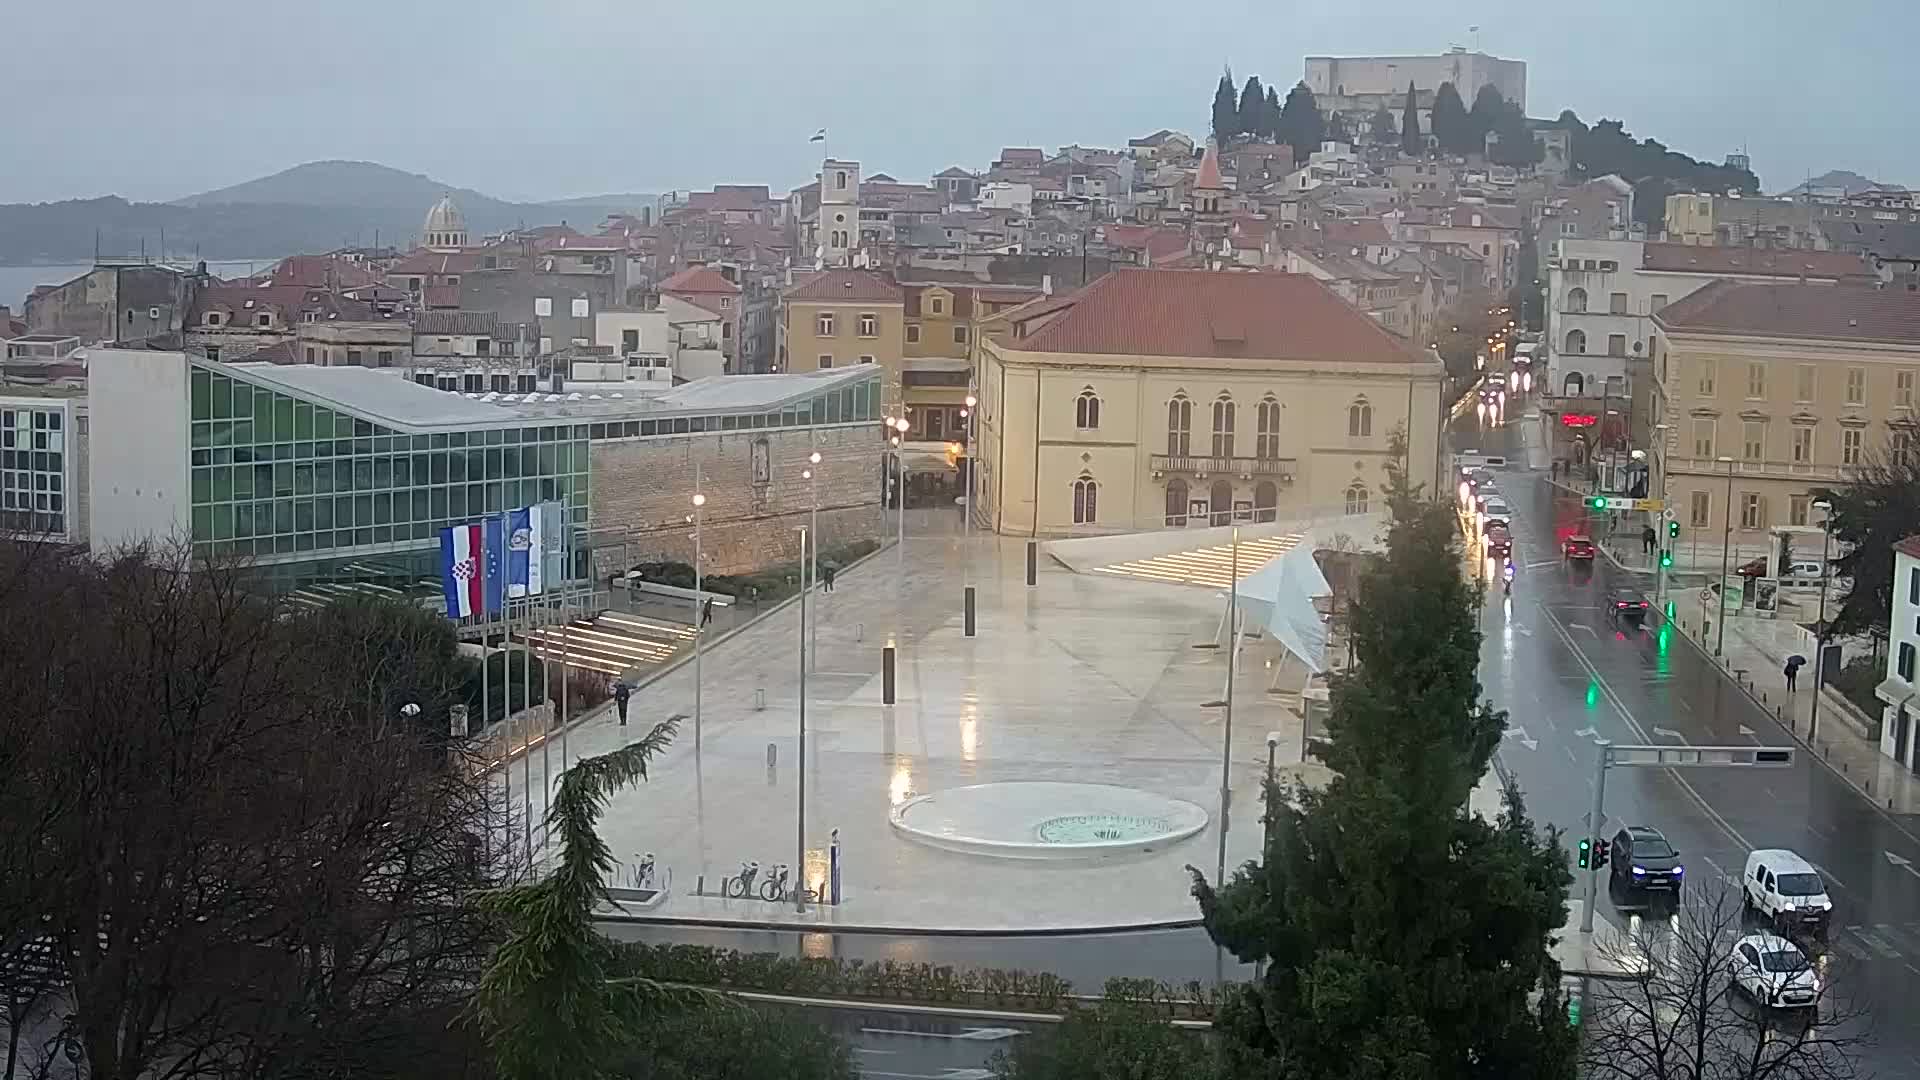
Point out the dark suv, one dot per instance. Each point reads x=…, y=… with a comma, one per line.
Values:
x=1642, y=859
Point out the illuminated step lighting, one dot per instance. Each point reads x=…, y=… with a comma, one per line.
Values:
x=1209, y=566
x=627, y=648
x=681, y=630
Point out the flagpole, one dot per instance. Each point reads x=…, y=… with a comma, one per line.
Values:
x=526, y=736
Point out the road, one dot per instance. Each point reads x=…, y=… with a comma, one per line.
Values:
x=1567, y=673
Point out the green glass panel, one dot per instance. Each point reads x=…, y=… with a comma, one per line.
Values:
x=203, y=434
x=201, y=396
x=222, y=392
x=283, y=545
x=322, y=423
x=202, y=523
x=262, y=415
x=323, y=538
x=243, y=482
x=303, y=541
x=303, y=479
x=282, y=479
x=383, y=534
x=362, y=474
x=496, y=499
x=362, y=510
x=222, y=484
x=303, y=420
x=547, y=459
x=243, y=520
x=382, y=473
x=436, y=468
x=383, y=444
x=457, y=503
x=383, y=509
x=402, y=471
x=342, y=511
x=303, y=516
x=438, y=510
x=457, y=438
x=417, y=500
x=282, y=517
x=243, y=434
x=495, y=460
x=832, y=403
x=362, y=429
x=323, y=515
x=283, y=426
x=202, y=485
x=223, y=521
x=457, y=466
x=262, y=481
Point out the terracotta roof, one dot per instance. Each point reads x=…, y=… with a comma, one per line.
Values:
x=1734, y=260
x=1215, y=314
x=433, y=262
x=1357, y=232
x=319, y=271
x=962, y=299
x=441, y=296
x=699, y=279
x=1159, y=243
x=1909, y=547
x=1209, y=177
x=1023, y=154
x=848, y=286
x=290, y=301
x=480, y=323
x=1847, y=313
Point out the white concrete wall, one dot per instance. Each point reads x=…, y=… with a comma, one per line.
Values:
x=137, y=468
x=1902, y=630
x=608, y=327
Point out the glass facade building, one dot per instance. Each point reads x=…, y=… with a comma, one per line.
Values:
x=317, y=476
x=36, y=469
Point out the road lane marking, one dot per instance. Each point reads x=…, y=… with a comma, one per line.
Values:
x=1519, y=735
x=1904, y=864
x=1669, y=733
x=1873, y=941
x=1626, y=714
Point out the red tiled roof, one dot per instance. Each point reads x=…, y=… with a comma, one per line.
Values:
x=319, y=271
x=1689, y=258
x=849, y=286
x=1205, y=313
x=1357, y=232
x=1849, y=313
x=699, y=279
x=1909, y=547
x=434, y=262
x=441, y=296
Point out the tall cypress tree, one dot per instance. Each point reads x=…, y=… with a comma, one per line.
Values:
x=1412, y=143
x=1300, y=123
x=1403, y=935
x=1253, y=106
x=1226, y=114
x=1272, y=113
x=1451, y=129
x=1488, y=106
x=1381, y=129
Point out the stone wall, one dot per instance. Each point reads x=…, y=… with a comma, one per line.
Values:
x=756, y=499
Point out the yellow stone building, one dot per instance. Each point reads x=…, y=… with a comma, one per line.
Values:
x=838, y=318
x=1768, y=391
x=1167, y=398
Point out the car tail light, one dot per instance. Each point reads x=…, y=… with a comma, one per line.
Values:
x=1620, y=603
x=1643, y=603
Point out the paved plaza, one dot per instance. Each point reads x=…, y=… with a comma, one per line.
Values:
x=1084, y=678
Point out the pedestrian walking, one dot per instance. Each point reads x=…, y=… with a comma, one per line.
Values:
x=622, y=693
x=1792, y=671
x=826, y=578
x=706, y=611
x=1647, y=536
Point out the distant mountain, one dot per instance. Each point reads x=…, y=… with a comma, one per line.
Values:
x=312, y=207
x=1852, y=182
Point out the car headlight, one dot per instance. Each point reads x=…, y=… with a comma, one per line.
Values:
x=1786, y=905
x=1678, y=870
x=1639, y=870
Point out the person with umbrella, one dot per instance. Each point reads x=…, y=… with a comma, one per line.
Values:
x=1794, y=663
x=622, y=693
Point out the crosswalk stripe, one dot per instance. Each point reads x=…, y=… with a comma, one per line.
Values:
x=1874, y=942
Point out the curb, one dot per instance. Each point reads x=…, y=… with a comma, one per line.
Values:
x=686, y=658
x=603, y=916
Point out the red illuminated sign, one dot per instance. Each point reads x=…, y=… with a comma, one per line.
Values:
x=1578, y=419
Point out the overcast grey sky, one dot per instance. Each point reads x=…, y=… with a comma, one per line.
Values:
x=572, y=97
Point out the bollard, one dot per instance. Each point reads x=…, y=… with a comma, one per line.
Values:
x=773, y=755
x=886, y=675
x=1033, y=562
x=833, y=867
x=969, y=613
x=759, y=698
x=859, y=631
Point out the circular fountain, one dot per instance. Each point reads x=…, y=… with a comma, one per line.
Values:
x=1047, y=820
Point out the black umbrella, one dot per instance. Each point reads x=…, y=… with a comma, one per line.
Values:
x=1796, y=660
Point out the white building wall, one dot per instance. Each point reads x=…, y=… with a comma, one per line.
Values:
x=1903, y=629
x=137, y=453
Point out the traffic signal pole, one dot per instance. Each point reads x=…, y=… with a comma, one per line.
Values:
x=1594, y=822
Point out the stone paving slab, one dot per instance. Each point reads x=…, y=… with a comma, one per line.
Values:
x=1081, y=679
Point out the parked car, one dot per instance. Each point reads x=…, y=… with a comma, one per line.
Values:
x=1628, y=604
x=1786, y=892
x=1496, y=514
x=1773, y=973
x=1578, y=546
x=1643, y=859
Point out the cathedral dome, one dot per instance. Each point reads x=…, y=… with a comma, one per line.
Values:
x=445, y=227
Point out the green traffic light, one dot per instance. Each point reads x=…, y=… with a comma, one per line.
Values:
x=1673, y=528
x=1598, y=503
x=1586, y=853
x=1666, y=558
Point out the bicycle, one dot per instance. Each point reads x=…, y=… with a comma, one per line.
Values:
x=643, y=872
x=740, y=887
x=774, y=888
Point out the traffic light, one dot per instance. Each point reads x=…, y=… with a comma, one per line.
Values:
x=1666, y=559
x=1673, y=529
x=1601, y=853
x=1586, y=853
x=1598, y=502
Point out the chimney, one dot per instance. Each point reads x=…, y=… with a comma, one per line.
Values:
x=1046, y=284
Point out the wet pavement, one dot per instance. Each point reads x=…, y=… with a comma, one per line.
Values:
x=1568, y=672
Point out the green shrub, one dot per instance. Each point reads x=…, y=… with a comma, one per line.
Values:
x=769, y=585
x=1856, y=679
x=1113, y=1038
x=503, y=679
x=736, y=1042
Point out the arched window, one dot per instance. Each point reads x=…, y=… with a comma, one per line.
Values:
x=1576, y=343
x=1086, y=500
x=1086, y=410
x=1356, y=498
x=1220, y=500
x=1179, y=426
x=1223, y=426
x=1266, y=441
x=1576, y=300
x=1265, y=498
x=1360, y=418
x=1176, y=501
x=1575, y=385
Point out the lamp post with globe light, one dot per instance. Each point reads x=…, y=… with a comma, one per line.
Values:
x=812, y=476
x=699, y=629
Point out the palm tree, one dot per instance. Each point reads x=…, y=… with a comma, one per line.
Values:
x=547, y=1002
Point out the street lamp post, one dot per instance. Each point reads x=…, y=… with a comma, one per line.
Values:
x=1726, y=554
x=900, y=425
x=966, y=523
x=800, y=761
x=699, y=606
x=1820, y=637
x=813, y=567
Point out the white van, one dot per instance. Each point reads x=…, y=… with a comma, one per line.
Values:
x=1786, y=892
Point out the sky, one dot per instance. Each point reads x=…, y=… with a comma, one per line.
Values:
x=532, y=101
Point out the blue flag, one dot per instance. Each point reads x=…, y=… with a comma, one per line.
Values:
x=494, y=537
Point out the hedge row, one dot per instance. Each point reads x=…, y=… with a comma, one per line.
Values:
x=773, y=584
x=888, y=980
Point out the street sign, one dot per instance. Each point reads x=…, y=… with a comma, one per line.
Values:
x=1616, y=502
x=1650, y=505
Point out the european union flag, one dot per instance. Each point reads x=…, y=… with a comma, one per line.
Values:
x=496, y=563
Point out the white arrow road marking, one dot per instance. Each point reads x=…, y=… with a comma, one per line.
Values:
x=1586, y=733
x=1538, y=565
x=1903, y=863
x=1747, y=731
x=1583, y=626
x=978, y=1034
x=1519, y=735
x=1667, y=733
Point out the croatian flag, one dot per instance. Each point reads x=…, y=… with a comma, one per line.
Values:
x=462, y=573
x=525, y=550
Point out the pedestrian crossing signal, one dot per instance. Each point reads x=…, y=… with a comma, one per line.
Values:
x=1666, y=559
x=1586, y=853
x=1673, y=529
